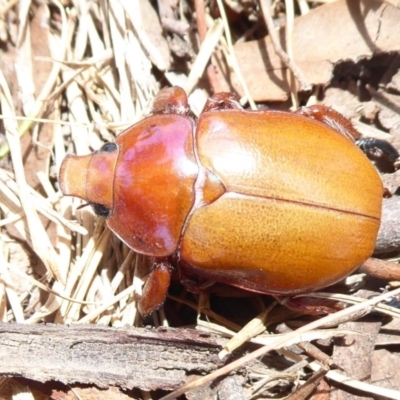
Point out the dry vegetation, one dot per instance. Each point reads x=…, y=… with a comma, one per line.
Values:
x=74, y=74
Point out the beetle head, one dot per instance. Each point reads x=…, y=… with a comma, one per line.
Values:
x=91, y=178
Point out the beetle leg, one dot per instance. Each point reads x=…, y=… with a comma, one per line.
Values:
x=171, y=100
x=310, y=305
x=193, y=283
x=155, y=288
x=332, y=118
x=381, y=151
x=223, y=101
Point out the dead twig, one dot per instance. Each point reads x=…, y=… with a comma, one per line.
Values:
x=265, y=8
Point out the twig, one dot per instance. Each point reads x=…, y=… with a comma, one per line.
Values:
x=202, y=29
x=304, y=85
x=144, y=358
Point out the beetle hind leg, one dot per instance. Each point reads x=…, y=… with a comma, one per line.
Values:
x=155, y=288
x=310, y=305
x=331, y=118
x=382, y=152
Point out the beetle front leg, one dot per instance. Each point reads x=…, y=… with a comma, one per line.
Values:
x=383, y=152
x=171, y=100
x=155, y=288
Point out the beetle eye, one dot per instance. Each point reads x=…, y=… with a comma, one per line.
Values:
x=108, y=148
x=100, y=210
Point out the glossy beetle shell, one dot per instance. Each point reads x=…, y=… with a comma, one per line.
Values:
x=294, y=216
x=268, y=201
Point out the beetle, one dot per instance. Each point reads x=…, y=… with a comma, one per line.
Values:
x=271, y=202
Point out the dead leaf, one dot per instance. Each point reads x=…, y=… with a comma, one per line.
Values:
x=335, y=32
x=385, y=369
x=354, y=353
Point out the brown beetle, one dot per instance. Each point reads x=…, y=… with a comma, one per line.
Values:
x=268, y=201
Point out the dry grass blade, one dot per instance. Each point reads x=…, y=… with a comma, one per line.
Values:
x=37, y=106
x=265, y=4
x=382, y=308
x=206, y=50
x=232, y=57
x=249, y=331
x=40, y=240
x=8, y=283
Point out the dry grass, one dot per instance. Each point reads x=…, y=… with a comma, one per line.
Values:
x=85, y=95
